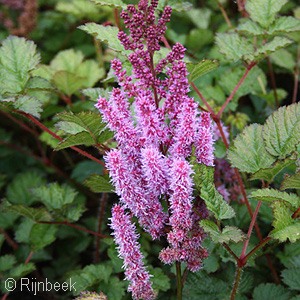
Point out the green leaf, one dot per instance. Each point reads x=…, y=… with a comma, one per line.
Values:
x=95, y=93
x=42, y=235
x=21, y=270
x=282, y=131
x=91, y=73
x=160, y=281
x=84, y=169
x=269, y=174
x=284, y=25
x=204, y=181
x=284, y=226
x=201, y=68
x=67, y=60
x=234, y=47
x=210, y=288
x=35, y=214
x=29, y=105
x=270, y=195
x=264, y=11
x=19, y=191
x=106, y=34
x=291, y=182
x=79, y=8
x=271, y=291
x=81, y=138
x=17, y=58
x=283, y=59
x=117, y=292
x=23, y=230
x=200, y=17
x=7, y=262
x=113, y=3
x=272, y=46
x=99, y=184
x=247, y=153
x=291, y=278
x=67, y=82
x=250, y=27
x=55, y=196
x=229, y=233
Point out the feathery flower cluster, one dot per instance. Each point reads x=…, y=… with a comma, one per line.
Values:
x=155, y=133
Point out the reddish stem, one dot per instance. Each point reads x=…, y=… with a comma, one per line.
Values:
x=76, y=227
x=242, y=260
x=248, y=69
x=43, y=127
x=9, y=240
x=296, y=77
x=117, y=19
x=29, y=257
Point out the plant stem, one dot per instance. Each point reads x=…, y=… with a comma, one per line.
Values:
x=273, y=81
x=257, y=247
x=246, y=243
x=296, y=77
x=76, y=227
x=237, y=280
x=179, y=281
x=203, y=99
x=230, y=251
x=248, y=69
x=224, y=13
x=9, y=240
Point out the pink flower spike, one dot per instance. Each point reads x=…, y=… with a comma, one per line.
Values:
x=126, y=238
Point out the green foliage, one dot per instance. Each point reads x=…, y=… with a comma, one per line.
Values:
x=291, y=182
x=270, y=195
x=201, y=68
x=282, y=131
x=99, y=184
x=291, y=278
x=271, y=291
x=228, y=233
x=204, y=182
x=248, y=152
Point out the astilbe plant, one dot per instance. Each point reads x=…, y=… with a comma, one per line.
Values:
x=157, y=128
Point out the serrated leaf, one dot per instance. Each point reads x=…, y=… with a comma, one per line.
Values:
x=67, y=82
x=55, y=196
x=200, y=17
x=291, y=278
x=106, y=34
x=91, y=73
x=160, y=281
x=210, y=288
x=284, y=226
x=67, y=60
x=269, y=174
x=291, y=182
x=201, y=68
x=118, y=292
x=284, y=25
x=84, y=169
x=270, y=195
x=272, y=46
x=204, y=181
x=229, y=233
x=234, y=47
x=95, y=93
x=19, y=191
x=247, y=153
x=281, y=131
x=42, y=235
x=113, y=3
x=81, y=138
x=23, y=230
x=21, y=270
x=6, y=262
x=29, y=105
x=264, y=11
x=17, y=58
x=271, y=291
x=99, y=184
x=35, y=214
x=250, y=27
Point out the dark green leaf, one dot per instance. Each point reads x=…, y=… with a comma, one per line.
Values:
x=201, y=68
x=271, y=291
x=99, y=184
x=291, y=278
x=35, y=214
x=42, y=235
x=7, y=262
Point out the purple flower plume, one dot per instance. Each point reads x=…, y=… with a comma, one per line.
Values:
x=156, y=126
x=129, y=250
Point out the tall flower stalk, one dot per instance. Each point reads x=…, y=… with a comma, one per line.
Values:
x=157, y=126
